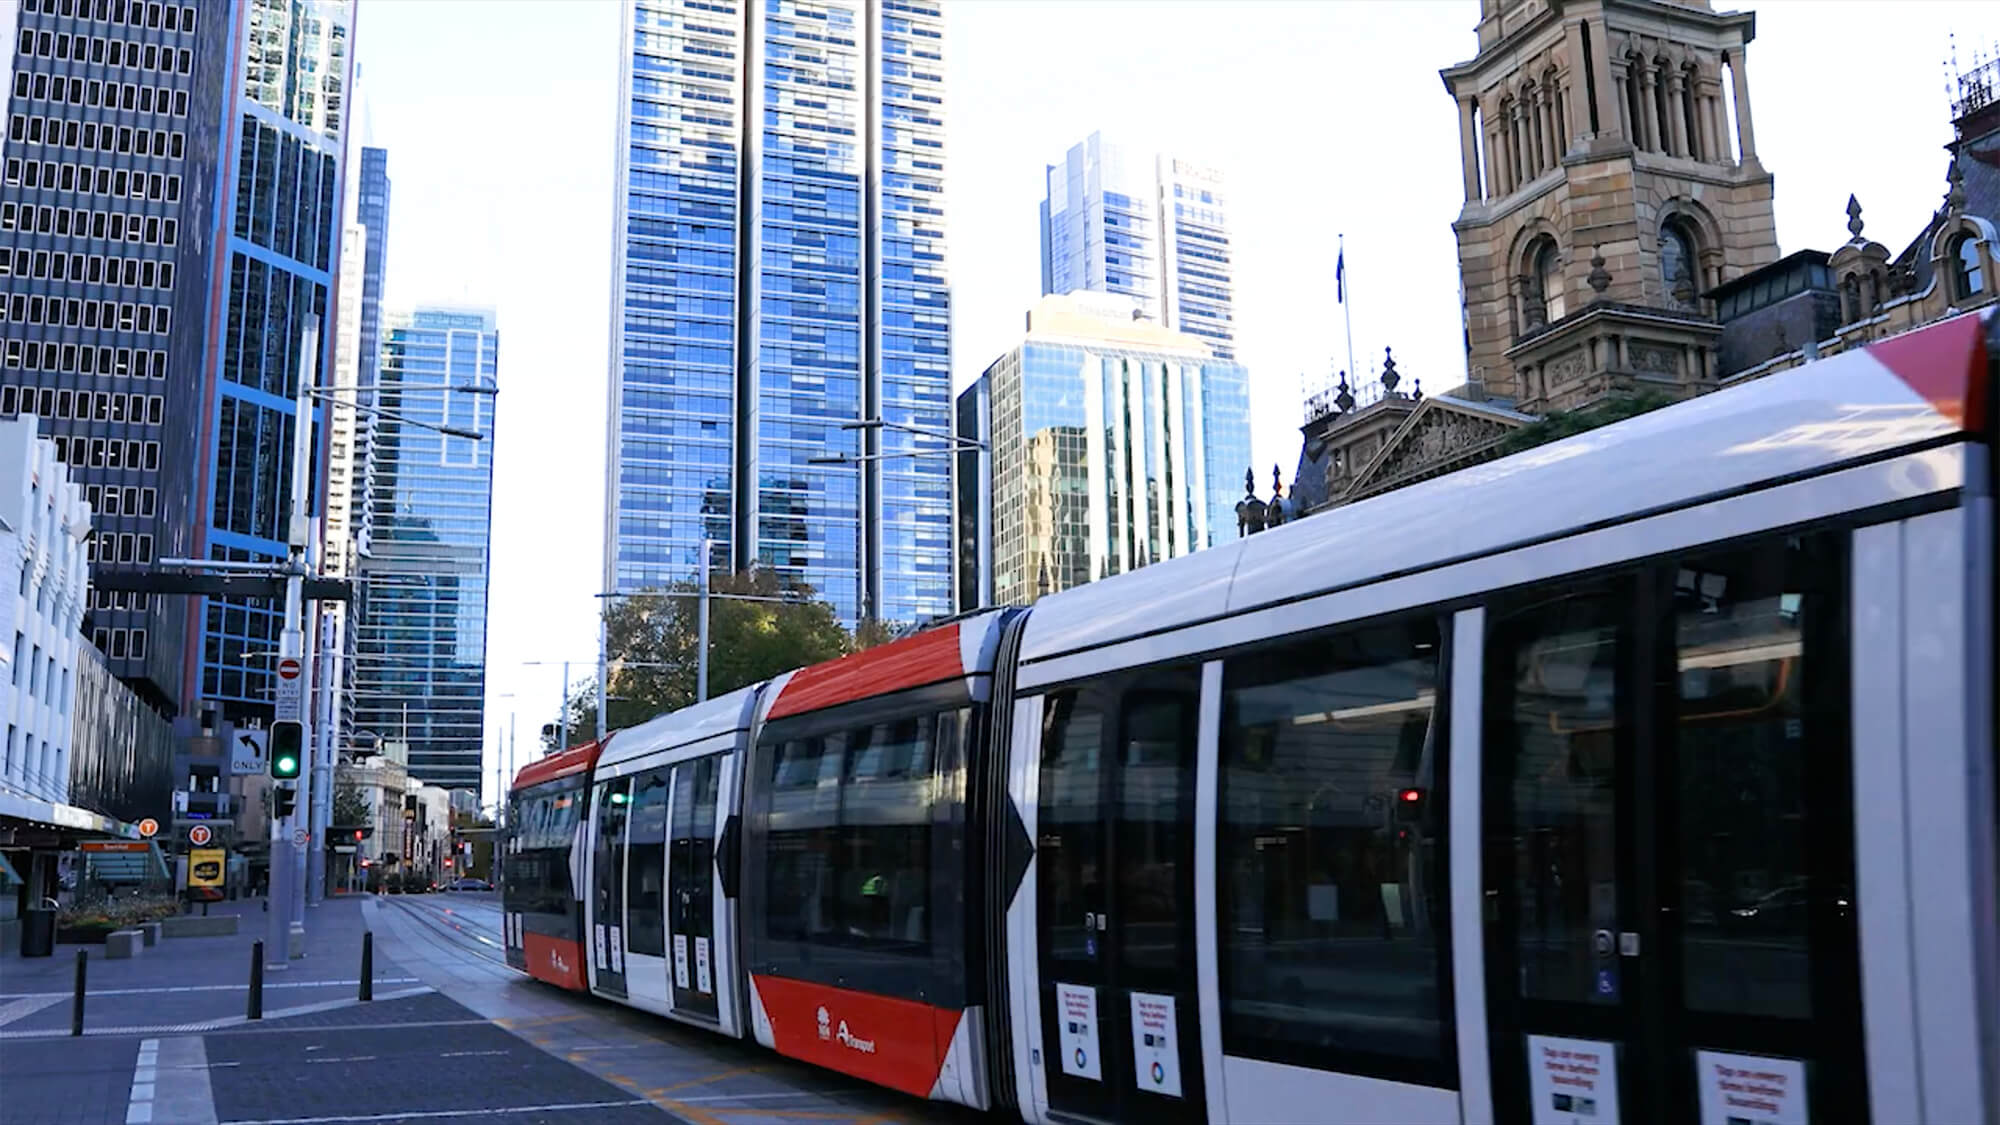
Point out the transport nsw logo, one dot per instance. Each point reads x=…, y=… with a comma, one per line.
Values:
x=843, y=1036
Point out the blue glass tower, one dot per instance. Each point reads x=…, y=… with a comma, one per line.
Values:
x=1151, y=228
x=281, y=188
x=778, y=270
x=420, y=649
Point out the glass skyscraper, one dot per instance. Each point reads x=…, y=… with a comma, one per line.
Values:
x=420, y=652
x=779, y=269
x=281, y=179
x=1150, y=227
x=1113, y=442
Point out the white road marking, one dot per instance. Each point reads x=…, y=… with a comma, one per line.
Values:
x=349, y=1058
x=23, y=996
x=440, y=1113
x=139, y=1107
x=182, y=1093
x=26, y=1006
x=468, y=1054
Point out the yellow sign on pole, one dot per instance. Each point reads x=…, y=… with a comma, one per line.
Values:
x=206, y=866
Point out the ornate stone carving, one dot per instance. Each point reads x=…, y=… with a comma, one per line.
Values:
x=1653, y=359
x=1433, y=440
x=1572, y=364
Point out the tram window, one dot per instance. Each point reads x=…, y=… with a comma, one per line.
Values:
x=1747, y=629
x=848, y=860
x=646, y=867
x=1333, y=930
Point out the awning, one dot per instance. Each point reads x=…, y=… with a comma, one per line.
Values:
x=54, y=814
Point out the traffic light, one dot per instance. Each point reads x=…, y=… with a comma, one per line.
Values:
x=1410, y=805
x=287, y=749
x=285, y=799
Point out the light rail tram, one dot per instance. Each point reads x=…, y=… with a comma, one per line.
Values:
x=1645, y=776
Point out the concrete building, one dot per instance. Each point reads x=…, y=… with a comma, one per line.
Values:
x=1113, y=442
x=778, y=269
x=1151, y=227
x=44, y=580
x=106, y=213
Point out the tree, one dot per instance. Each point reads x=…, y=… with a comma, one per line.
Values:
x=652, y=651
x=348, y=807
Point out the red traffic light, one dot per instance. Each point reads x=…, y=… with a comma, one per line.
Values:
x=357, y=834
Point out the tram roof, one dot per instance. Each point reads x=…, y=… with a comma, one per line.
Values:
x=1919, y=386
x=951, y=651
x=574, y=760
x=724, y=714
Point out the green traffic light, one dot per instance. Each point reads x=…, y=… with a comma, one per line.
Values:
x=288, y=765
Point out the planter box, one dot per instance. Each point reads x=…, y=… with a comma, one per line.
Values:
x=83, y=935
x=194, y=925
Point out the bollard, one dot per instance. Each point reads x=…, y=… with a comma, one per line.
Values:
x=76, y=1006
x=367, y=965
x=256, y=1011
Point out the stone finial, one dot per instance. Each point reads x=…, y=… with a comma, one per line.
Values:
x=1854, y=217
x=1250, y=511
x=1345, y=399
x=1249, y=482
x=1389, y=376
x=1274, y=512
x=1600, y=278
x=1417, y=392
x=1954, y=197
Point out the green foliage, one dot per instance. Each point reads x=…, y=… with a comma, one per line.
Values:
x=348, y=807
x=1565, y=423
x=94, y=909
x=651, y=642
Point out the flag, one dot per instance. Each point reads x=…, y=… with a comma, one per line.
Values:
x=1340, y=277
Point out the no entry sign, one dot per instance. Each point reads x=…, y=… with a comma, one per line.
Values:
x=288, y=668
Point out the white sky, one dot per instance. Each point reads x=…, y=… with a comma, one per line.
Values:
x=1325, y=117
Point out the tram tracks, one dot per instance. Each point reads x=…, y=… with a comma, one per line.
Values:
x=467, y=938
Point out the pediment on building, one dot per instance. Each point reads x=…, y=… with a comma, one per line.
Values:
x=1442, y=435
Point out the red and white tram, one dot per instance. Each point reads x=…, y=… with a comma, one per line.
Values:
x=1644, y=776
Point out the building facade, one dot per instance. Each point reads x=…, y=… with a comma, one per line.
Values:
x=44, y=579
x=420, y=648
x=1612, y=182
x=281, y=185
x=111, y=173
x=1112, y=442
x=1153, y=228
x=778, y=270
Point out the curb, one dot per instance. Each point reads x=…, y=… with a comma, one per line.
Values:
x=219, y=1024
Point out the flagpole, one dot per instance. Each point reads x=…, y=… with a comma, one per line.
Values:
x=1347, y=311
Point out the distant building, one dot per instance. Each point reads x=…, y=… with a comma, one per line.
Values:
x=1153, y=228
x=420, y=649
x=44, y=579
x=1114, y=442
x=779, y=269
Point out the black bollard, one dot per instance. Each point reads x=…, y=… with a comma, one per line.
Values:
x=76, y=1006
x=256, y=1011
x=367, y=965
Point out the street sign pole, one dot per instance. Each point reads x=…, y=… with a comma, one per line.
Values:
x=287, y=901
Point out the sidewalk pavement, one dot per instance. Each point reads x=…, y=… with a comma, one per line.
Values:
x=192, y=980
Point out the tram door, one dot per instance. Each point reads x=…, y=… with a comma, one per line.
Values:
x=1669, y=887
x=1115, y=919
x=690, y=886
x=607, y=887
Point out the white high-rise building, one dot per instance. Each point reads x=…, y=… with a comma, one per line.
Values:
x=1147, y=226
x=778, y=269
x=44, y=577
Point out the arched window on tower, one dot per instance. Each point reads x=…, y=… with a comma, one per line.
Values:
x=1968, y=276
x=1677, y=263
x=1549, y=280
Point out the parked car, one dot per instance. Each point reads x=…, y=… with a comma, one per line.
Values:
x=471, y=884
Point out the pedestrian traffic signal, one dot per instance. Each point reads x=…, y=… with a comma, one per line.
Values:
x=287, y=748
x=284, y=800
